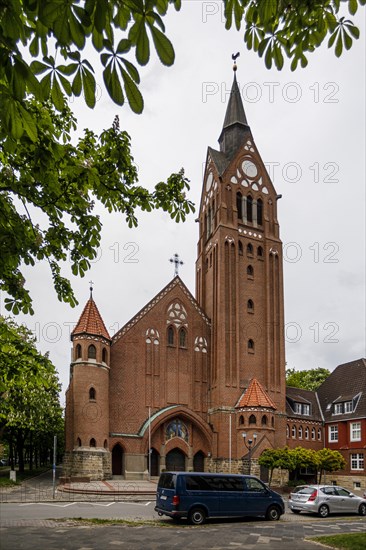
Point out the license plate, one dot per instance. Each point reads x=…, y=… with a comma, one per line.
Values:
x=163, y=497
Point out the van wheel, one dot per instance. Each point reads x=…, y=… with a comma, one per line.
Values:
x=323, y=511
x=362, y=509
x=196, y=516
x=273, y=513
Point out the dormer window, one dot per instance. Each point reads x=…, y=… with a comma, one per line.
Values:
x=338, y=408
x=348, y=408
x=301, y=408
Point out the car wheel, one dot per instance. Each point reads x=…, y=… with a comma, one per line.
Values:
x=323, y=511
x=273, y=513
x=197, y=516
x=362, y=509
x=296, y=511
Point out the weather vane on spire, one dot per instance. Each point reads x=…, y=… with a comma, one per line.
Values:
x=91, y=289
x=177, y=262
x=234, y=58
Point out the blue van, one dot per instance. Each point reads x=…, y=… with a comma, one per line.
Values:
x=197, y=496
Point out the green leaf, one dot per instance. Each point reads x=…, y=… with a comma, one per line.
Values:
x=163, y=46
x=76, y=84
x=29, y=124
x=133, y=93
x=38, y=67
x=57, y=95
x=339, y=45
x=65, y=84
x=352, y=6
x=46, y=86
x=77, y=32
x=89, y=88
x=124, y=46
x=113, y=85
x=132, y=70
x=142, y=43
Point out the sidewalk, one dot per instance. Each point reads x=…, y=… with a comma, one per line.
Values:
x=40, y=489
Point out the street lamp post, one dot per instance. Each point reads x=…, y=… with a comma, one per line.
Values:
x=249, y=445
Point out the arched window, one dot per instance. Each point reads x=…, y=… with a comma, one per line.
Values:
x=104, y=356
x=92, y=442
x=260, y=252
x=252, y=419
x=300, y=432
x=92, y=393
x=293, y=432
x=78, y=352
x=78, y=442
x=92, y=352
x=241, y=420
x=250, y=306
x=250, y=272
x=319, y=434
x=240, y=248
x=313, y=435
x=260, y=212
x=105, y=444
x=182, y=338
x=249, y=208
x=264, y=420
x=287, y=431
x=251, y=346
x=239, y=207
x=250, y=249
x=170, y=336
x=306, y=433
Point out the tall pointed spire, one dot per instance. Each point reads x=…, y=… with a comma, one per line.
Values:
x=235, y=124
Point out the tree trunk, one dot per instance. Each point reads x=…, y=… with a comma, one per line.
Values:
x=20, y=449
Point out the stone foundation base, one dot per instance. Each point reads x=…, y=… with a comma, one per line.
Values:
x=93, y=463
x=241, y=466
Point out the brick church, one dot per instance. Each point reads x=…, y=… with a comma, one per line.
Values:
x=181, y=383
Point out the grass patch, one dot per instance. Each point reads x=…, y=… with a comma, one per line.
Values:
x=350, y=541
x=126, y=522
x=20, y=477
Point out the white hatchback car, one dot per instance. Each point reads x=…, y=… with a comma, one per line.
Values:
x=325, y=499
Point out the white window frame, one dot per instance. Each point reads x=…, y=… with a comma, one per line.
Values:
x=333, y=433
x=307, y=433
x=313, y=434
x=357, y=461
x=300, y=432
x=306, y=410
x=298, y=408
x=355, y=431
x=338, y=408
x=319, y=434
x=348, y=406
x=293, y=432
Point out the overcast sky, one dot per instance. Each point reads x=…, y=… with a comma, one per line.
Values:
x=309, y=127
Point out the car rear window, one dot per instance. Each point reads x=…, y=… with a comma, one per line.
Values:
x=167, y=481
x=304, y=490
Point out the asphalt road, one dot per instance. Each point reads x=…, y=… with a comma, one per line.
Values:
x=215, y=535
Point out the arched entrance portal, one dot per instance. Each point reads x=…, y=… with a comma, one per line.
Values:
x=117, y=460
x=176, y=461
x=155, y=462
x=198, y=462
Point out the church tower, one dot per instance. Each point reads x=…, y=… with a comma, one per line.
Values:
x=87, y=398
x=239, y=284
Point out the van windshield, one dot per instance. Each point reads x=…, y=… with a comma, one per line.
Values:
x=167, y=481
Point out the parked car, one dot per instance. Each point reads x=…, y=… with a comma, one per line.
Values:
x=325, y=499
x=197, y=496
x=4, y=462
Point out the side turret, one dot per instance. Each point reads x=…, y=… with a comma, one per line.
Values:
x=87, y=398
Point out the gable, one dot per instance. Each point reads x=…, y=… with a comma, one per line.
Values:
x=174, y=293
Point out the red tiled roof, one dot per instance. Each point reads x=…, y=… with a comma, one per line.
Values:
x=91, y=322
x=255, y=396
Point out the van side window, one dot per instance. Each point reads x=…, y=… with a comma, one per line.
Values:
x=254, y=485
x=232, y=484
x=167, y=481
x=202, y=483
